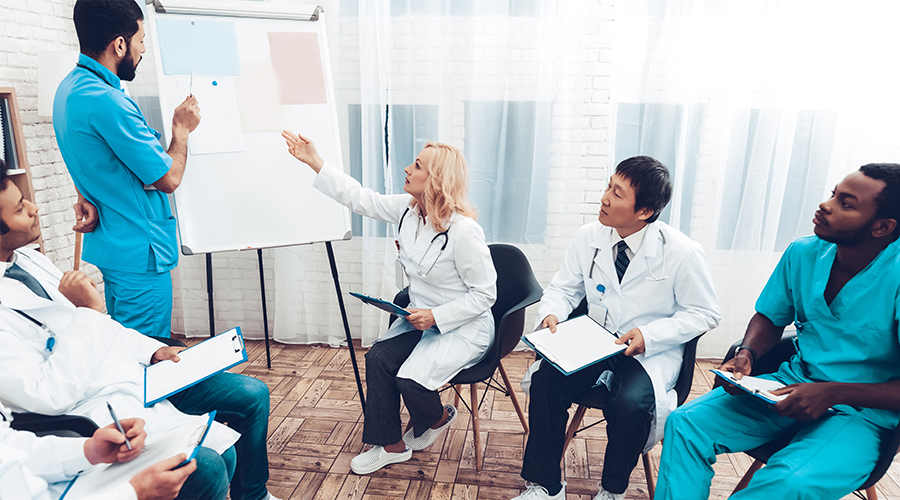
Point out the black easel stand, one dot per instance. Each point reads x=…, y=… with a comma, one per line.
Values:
x=340, y=297
x=209, y=295
x=262, y=289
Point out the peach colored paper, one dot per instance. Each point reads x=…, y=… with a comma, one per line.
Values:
x=298, y=67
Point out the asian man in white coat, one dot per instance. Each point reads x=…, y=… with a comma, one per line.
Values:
x=645, y=280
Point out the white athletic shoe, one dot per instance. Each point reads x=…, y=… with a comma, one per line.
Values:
x=430, y=435
x=534, y=491
x=376, y=458
x=605, y=495
x=272, y=497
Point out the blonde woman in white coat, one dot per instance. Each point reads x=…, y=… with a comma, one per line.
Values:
x=452, y=286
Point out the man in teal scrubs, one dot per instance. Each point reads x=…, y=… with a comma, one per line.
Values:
x=119, y=166
x=841, y=288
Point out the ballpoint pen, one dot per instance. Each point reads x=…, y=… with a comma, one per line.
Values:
x=191, y=86
x=118, y=425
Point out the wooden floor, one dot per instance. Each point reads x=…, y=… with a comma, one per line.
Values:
x=316, y=423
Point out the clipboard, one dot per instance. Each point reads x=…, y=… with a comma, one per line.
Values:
x=187, y=439
x=579, y=342
x=381, y=304
x=754, y=386
x=198, y=363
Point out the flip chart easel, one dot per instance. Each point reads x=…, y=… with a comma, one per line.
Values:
x=255, y=68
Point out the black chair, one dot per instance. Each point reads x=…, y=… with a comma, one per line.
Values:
x=598, y=398
x=517, y=289
x=66, y=425
x=769, y=363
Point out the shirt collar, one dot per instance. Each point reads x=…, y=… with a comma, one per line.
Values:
x=9, y=263
x=101, y=70
x=633, y=240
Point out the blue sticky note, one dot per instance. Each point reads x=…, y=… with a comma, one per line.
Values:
x=204, y=47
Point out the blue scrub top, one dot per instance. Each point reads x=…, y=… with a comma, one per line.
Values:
x=111, y=153
x=855, y=339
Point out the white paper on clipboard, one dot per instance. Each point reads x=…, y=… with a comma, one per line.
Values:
x=198, y=363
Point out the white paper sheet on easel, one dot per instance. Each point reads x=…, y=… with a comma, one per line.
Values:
x=198, y=363
x=220, y=119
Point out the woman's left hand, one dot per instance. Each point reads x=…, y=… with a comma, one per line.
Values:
x=422, y=319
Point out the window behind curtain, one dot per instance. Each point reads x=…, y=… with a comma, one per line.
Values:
x=666, y=132
x=810, y=151
x=508, y=153
x=413, y=126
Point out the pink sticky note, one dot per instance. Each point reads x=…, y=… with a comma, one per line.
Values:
x=298, y=67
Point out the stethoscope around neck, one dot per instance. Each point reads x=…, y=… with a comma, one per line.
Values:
x=652, y=277
x=433, y=240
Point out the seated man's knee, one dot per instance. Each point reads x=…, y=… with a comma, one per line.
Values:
x=213, y=475
x=257, y=392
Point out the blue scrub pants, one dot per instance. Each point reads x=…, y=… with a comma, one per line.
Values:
x=141, y=301
x=829, y=457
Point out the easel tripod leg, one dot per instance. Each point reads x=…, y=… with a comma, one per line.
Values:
x=337, y=289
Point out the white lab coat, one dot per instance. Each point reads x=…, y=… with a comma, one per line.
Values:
x=669, y=312
x=49, y=459
x=459, y=290
x=94, y=360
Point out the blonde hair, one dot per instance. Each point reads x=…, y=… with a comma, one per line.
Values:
x=447, y=187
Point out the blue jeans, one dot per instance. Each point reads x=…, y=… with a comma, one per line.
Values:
x=243, y=403
x=210, y=480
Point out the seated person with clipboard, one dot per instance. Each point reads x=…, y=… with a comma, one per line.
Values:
x=640, y=277
x=452, y=286
x=60, y=354
x=841, y=394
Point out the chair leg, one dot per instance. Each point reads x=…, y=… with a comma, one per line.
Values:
x=475, y=428
x=755, y=466
x=456, y=399
x=512, y=395
x=648, y=471
x=871, y=494
x=573, y=426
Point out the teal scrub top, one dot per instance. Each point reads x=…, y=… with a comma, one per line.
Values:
x=855, y=339
x=111, y=153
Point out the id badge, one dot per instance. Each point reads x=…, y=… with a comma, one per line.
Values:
x=599, y=313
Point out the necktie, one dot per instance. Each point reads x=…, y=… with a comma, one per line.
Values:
x=622, y=259
x=17, y=273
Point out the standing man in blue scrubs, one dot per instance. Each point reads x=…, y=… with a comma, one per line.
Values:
x=841, y=288
x=119, y=166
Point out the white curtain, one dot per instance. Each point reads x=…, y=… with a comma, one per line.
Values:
x=503, y=80
x=758, y=108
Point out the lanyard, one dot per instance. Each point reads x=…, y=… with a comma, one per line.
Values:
x=51, y=340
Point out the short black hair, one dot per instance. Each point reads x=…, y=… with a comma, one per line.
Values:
x=888, y=200
x=3, y=180
x=651, y=183
x=99, y=22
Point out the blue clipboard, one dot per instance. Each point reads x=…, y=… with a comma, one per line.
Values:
x=193, y=455
x=238, y=341
x=381, y=304
x=545, y=358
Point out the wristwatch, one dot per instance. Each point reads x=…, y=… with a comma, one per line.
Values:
x=752, y=352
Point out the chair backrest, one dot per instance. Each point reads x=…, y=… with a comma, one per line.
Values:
x=517, y=288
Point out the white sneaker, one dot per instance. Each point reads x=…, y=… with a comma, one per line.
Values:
x=605, y=495
x=376, y=458
x=534, y=491
x=430, y=435
x=272, y=497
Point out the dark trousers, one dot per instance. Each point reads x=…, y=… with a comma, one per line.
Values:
x=381, y=425
x=629, y=413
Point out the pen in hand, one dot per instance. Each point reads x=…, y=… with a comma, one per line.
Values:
x=118, y=425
